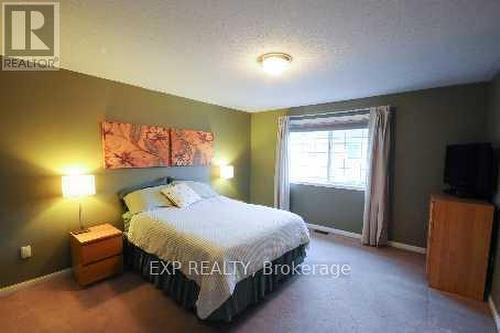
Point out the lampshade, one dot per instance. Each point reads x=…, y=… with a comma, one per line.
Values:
x=78, y=186
x=226, y=171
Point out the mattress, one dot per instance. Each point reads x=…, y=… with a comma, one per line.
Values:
x=232, y=239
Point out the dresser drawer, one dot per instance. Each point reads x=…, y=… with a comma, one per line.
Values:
x=98, y=270
x=95, y=251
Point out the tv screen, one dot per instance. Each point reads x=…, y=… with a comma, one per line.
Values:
x=470, y=170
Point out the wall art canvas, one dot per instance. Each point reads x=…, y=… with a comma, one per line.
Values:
x=135, y=146
x=191, y=147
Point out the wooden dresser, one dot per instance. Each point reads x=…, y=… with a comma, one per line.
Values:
x=458, y=245
x=96, y=254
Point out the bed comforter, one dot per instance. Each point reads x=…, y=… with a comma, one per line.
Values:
x=232, y=239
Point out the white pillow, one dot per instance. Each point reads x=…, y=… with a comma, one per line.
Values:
x=146, y=199
x=204, y=190
x=181, y=195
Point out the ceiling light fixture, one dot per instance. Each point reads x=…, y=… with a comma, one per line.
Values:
x=275, y=63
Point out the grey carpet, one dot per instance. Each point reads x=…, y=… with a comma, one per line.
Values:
x=386, y=291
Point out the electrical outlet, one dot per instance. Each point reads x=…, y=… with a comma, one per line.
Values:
x=26, y=251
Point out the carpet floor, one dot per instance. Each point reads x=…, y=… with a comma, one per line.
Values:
x=385, y=291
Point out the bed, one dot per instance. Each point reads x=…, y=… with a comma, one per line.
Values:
x=216, y=256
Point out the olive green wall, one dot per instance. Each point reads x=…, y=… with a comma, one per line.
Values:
x=264, y=126
x=494, y=132
x=320, y=205
x=50, y=124
x=425, y=122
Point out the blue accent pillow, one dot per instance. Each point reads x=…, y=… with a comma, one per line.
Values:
x=152, y=183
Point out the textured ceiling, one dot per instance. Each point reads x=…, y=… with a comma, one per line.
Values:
x=207, y=50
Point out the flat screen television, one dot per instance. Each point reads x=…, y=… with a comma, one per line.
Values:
x=470, y=170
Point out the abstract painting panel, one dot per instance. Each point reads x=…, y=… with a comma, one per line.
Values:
x=191, y=147
x=135, y=146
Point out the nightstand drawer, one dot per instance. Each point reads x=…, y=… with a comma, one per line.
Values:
x=98, y=270
x=95, y=251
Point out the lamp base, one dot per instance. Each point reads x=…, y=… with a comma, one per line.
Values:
x=81, y=231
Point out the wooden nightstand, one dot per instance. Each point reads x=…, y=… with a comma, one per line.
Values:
x=97, y=254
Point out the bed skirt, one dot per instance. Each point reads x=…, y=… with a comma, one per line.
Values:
x=185, y=292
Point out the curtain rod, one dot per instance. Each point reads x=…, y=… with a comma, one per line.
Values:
x=331, y=113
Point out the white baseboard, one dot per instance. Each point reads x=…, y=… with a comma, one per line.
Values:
x=355, y=235
x=407, y=247
x=334, y=231
x=494, y=312
x=15, y=287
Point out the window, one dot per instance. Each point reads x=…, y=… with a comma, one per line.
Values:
x=333, y=157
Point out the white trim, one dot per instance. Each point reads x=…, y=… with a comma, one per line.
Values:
x=355, y=235
x=15, y=287
x=330, y=113
x=329, y=185
x=334, y=231
x=407, y=247
x=494, y=312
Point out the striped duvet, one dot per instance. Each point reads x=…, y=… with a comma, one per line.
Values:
x=218, y=232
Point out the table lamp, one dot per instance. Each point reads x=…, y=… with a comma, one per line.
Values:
x=226, y=171
x=78, y=186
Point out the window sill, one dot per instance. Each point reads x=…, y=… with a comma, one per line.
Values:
x=335, y=186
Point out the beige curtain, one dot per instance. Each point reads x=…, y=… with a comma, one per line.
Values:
x=282, y=167
x=377, y=192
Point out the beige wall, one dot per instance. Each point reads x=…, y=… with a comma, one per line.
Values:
x=50, y=124
x=426, y=121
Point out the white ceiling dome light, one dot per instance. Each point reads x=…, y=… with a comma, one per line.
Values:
x=275, y=63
